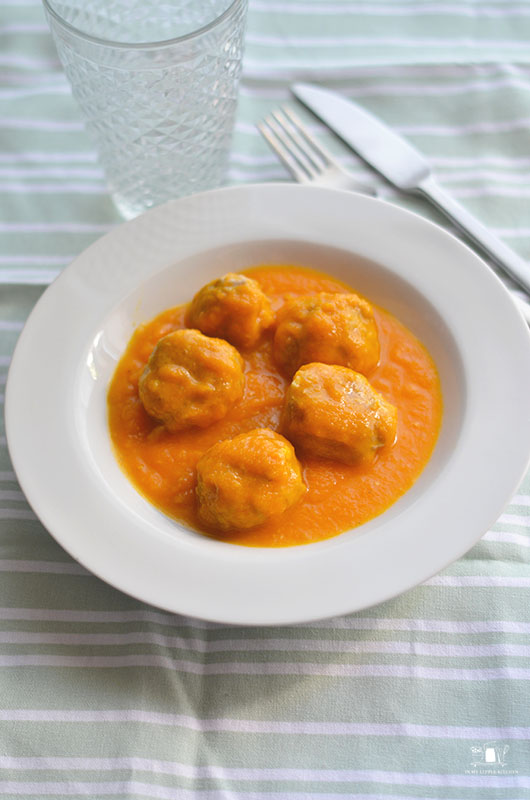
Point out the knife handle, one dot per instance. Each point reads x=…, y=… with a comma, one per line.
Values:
x=500, y=253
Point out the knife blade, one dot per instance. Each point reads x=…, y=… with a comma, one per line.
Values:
x=401, y=164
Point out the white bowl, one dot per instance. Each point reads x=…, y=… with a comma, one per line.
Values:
x=57, y=384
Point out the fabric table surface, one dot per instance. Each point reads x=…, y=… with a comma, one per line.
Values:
x=424, y=696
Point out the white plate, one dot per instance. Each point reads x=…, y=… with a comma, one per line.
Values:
x=66, y=355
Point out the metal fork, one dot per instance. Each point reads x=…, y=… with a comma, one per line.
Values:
x=306, y=159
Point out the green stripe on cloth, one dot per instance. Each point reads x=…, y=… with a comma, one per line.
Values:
x=101, y=696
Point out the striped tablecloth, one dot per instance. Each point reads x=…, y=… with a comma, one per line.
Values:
x=426, y=696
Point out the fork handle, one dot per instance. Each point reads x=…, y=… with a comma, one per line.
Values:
x=503, y=256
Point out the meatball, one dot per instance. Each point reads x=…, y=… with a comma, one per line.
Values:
x=191, y=380
x=233, y=308
x=244, y=481
x=334, y=412
x=329, y=328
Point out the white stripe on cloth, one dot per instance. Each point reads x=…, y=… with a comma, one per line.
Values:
x=280, y=92
x=13, y=187
x=459, y=627
x=507, y=538
x=51, y=567
x=476, y=581
x=8, y=3
x=203, y=646
x=270, y=668
x=389, y=10
x=37, y=277
x=354, y=71
x=514, y=519
x=52, y=172
x=25, y=62
x=298, y=70
x=24, y=27
x=194, y=771
x=130, y=788
x=44, y=157
x=17, y=513
x=11, y=326
x=31, y=91
x=24, y=123
x=481, y=175
x=486, y=126
x=31, y=259
x=426, y=89
x=246, y=726
x=490, y=191
x=266, y=162
x=517, y=162
x=11, y=495
x=292, y=41
x=512, y=233
x=521, y=500
x=54, y=227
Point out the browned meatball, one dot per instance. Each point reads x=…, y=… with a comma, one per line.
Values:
x=334, y=412
x=328, y=328
x=191, y=380
x=244, y=481
x=233, y=308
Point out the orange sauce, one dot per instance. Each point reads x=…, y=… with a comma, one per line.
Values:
x=161, y=465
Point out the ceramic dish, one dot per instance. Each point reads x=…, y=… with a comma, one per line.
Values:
x=66, y=355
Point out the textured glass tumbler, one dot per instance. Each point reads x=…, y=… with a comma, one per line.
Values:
x=157, y=82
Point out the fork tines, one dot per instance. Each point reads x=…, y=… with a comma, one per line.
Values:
x=290, y=139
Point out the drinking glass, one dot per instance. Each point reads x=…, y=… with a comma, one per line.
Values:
x=157, y=82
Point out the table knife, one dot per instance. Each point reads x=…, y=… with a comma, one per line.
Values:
x=401, y=164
